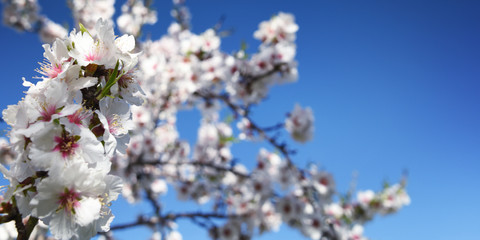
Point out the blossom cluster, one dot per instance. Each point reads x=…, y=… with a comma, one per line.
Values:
x=134, y=15
x=277, y=193
x=87, y=12
x=66, y=129
x=23, y=15
x=300, y=124
x=184, y=70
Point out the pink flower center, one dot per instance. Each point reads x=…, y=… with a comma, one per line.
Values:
x=260, y=165
x=78, y=117
x=115, y=126
x=324, y=181
x=296, y=122
x=54, y=70
x=66, y=144
x=69, y=200
x=92, y=56
x=47, y=112
x=258, y=187
x=262, y=65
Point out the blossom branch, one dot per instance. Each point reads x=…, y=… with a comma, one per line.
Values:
x=181, y=69
x=193, y=163
x=276, y=127
x=249, y=79
x=141, y=220
x=282, y=147
x=23, y=230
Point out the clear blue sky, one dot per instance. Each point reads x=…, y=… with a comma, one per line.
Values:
x=394, y=85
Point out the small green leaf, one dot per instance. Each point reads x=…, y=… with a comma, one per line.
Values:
x=112, y=79
x=244, y=46
x=83, y=29
x=228, y=119
x=385, y=184
x=224, y=140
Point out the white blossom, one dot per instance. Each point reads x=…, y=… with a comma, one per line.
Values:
x=300, y=124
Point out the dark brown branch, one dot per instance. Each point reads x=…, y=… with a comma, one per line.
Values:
x=23, y=231
x=199, y=215
x=249, y=80
x=156, y=206
x=276, y=127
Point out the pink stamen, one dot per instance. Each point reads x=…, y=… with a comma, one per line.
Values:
x=112, y=125
x=47, y=112
x=92, y=56
x=54, y=70
x=78, y=117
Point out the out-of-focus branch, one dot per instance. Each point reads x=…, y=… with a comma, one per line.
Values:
x=141, y=220
x=153, y=201
x=199, y=164
x=275, y=127
x=174, y=216
x=144, y=221
x=249, y=80
x=200, y=218
x=23, y=230
x=25, y=16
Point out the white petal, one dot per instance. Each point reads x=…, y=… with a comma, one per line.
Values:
x=114, y=187
x=83, y=82
x=88, y=211
x=62, y=226
x=125, y=43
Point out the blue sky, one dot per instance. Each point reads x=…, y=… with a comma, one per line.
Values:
x=394, y=86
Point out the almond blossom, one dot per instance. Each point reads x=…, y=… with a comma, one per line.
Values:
x=300, y=124
x=60, y=175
